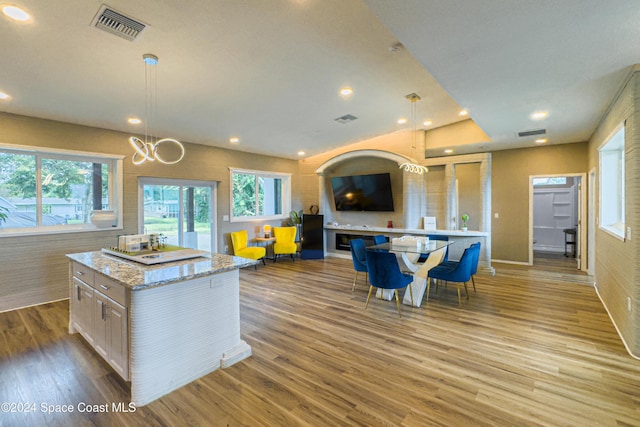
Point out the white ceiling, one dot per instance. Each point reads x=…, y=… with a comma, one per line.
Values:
x=269, y=71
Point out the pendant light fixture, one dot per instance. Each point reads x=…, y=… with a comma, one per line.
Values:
x=413, y=167
x=149, y=149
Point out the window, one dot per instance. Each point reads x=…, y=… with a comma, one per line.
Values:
x=554, y=180
x=43, y=191
x=612, y=187
x=259, y=195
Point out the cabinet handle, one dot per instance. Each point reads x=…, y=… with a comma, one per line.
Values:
x=79, y=292
x=104, y=314
x=80, y=273
x=106, y=288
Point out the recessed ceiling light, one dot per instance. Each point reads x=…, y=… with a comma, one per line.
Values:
x=301, y=153
x=448, y=151
x=402, y=120
x=346, y=91
x=541, y=140
x=427, y=123
x=234, y=140
x=15, y=13
x=539, y=115
x=4, y=95
x=463, y=113
x=134, y=120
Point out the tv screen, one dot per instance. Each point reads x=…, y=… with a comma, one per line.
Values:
x=363, y=192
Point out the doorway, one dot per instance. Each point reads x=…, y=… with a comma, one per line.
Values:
x=556, y=210
x=182, y=211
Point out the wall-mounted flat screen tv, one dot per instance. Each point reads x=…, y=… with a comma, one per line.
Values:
x=363, y=192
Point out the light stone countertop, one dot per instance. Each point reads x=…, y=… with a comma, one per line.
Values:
x=137, y=276
x=348, y=227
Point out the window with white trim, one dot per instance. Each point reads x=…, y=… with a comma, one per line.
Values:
x=612, y=185
x=47, y=191
x=259, y=195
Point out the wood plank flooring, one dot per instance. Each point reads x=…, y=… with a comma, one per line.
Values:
x=532, y=347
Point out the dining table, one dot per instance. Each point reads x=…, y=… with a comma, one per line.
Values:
x=409, y=253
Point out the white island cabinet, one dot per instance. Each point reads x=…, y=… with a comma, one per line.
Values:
x=162, y=326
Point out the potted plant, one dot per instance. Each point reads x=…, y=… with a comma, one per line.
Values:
x=295, y=218
x=465, y=219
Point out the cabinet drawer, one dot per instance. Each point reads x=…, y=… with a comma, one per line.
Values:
x=110, y=288
x=83, y=273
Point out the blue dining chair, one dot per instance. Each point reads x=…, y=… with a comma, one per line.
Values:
x=460, y=272
x=384, y=273
x=474, y=263
x=359, y=258
x=379, y=239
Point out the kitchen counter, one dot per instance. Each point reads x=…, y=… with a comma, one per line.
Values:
x=136, y=276
x=411, y=231
x=159, y=326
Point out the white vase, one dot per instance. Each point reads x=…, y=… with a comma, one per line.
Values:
x=103, y=219
x=463, y=228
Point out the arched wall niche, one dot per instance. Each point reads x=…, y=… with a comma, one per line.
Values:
x=409, y=190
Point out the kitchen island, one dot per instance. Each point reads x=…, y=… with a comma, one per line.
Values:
x=159, y=326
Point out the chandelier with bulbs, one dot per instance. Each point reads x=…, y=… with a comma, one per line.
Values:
x=407, y=166
x=149, y=149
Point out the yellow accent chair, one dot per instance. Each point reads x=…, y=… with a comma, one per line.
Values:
x=285, y=243
x=239, y=240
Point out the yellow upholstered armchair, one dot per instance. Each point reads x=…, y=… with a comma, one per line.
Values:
x=285, y=242
x=239, y=241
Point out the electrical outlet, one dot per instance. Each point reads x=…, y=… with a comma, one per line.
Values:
x=628, y=233
x=496, y=215
x=226, y=249
x=628, y=303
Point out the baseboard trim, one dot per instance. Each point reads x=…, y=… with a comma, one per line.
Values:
x=346, y=255
x=595, y=286
x=33, y=305
x=503, y=261
x=236, y=354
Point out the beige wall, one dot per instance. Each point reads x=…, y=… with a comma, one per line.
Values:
x=437, y=195
x=34, y=269
x=398, y=142
x=509, y=190
x=469, y=193
x=367, y=165
x=511, y=170
x=617, y=270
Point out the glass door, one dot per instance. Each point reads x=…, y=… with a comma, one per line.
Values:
x=181, y=211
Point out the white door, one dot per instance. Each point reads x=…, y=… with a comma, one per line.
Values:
x=554, y=209
x=183, y=212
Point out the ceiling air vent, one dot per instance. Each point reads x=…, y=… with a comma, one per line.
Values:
x=532, y=132
x=116, y=23
x=346, y=119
